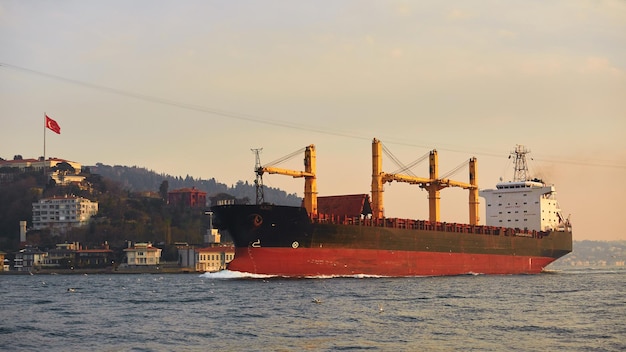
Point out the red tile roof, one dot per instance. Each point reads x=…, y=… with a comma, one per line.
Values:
x=94, y=251
x=187, y=190
x=141, y=249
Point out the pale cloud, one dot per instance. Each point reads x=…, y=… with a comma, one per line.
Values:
x=456, y=14
x=600, y=65
x=397, y=52
x=541, y=65
x=506, y=34
x=403, y=9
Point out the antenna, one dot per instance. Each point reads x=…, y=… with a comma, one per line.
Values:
x=521, y=168
x=258, y=182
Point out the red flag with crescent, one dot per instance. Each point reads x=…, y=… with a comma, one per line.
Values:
x=53, y=125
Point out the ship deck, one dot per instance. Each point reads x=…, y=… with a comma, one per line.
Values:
x=410, y=224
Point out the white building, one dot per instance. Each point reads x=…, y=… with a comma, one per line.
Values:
x=39, y=164
x=211, y=259
x=63, y=212
x=54, y=167
x=205, y=259
x=143, y=254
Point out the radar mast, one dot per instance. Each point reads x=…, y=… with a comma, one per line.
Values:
x=521, y=167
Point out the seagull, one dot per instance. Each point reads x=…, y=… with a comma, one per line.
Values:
x=316, y=300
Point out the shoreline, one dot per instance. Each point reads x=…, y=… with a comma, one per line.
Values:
x=109, y=270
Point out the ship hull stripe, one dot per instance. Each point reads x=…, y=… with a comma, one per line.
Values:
x=307, y=262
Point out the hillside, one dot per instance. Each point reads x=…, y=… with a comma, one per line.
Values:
x=137, y=179
x=132, y=206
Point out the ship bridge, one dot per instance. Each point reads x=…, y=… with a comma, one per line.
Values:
x=523, y=203
x=519, y=184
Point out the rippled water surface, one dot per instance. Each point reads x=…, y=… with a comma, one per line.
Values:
x=572, y=310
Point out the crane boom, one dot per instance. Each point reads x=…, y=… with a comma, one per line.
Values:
x=276, y=170
x=310, y=181
x=450, y=183
x=405, y=178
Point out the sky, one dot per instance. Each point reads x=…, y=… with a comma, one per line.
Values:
x=191, y=87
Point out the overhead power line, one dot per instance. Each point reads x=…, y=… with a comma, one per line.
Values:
x=256, y=119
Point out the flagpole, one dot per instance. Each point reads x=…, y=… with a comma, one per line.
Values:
x=44, y=144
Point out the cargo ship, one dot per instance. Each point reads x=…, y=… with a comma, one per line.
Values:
x=348, y=235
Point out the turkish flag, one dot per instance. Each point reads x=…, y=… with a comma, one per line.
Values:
x=53, y=125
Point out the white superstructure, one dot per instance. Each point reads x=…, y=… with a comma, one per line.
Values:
x=524, y=204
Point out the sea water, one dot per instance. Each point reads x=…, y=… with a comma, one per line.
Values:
x=569, y=310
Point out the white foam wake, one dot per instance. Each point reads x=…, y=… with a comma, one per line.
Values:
x=227, y=274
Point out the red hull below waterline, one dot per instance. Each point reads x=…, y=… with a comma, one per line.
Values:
x=308, y=262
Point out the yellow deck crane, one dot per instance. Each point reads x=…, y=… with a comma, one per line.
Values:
x=472, y=186
x=433, y=184
x=310, y=182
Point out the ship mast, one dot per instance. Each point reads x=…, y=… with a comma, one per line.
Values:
x=521, y=168
x=258, y=182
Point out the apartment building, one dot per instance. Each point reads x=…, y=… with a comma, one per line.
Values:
x=63, y=212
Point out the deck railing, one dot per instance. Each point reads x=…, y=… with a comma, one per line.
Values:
x=398, y=223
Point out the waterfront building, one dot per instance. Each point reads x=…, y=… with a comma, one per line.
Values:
x=142, y=254
x=63, y=256
x=211, y=259
x=95, y=257
x=28, y=259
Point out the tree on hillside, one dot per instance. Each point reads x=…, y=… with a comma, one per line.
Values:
x=163, y=189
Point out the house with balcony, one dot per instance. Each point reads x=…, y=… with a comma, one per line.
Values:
x=63, y=256
x=95, y=257
x=142, y=254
